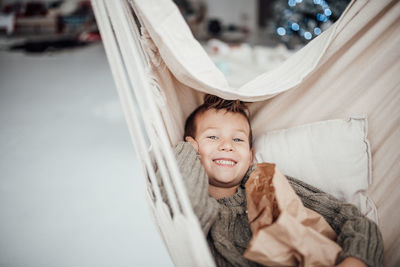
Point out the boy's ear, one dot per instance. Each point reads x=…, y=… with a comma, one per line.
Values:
x=252, y=156
x=192, y=142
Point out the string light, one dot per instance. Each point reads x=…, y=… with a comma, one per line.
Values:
x=327, y=12
x=295, y=27
x=281, y=31
x=306, y=28
x=308, y=35
x=317, y=31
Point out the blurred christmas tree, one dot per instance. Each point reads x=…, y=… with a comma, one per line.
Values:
x=296, y=22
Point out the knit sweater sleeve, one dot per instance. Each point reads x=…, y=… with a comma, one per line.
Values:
x=358, y=236
x=196, y=183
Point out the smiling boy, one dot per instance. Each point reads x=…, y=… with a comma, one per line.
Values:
x=216, y=162
x=222, y=139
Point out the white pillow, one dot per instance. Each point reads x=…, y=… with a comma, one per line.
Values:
x=332, y=155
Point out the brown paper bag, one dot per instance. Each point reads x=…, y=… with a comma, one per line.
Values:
x=285, y=233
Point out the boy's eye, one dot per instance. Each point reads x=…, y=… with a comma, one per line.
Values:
x=212, y=137
x=237, y=140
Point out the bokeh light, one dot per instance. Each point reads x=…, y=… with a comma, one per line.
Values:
x=281, y=31
x=302, y=20
x=327, y=12
x=292, y=3
x=308, y=35
x=317, y=31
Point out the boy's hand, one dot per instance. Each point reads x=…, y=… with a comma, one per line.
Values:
x=351, y=262
x=192, y=142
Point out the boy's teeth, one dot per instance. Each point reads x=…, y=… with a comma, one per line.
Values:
x=225, y=162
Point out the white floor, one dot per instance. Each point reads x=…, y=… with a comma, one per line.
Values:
x=71, y=193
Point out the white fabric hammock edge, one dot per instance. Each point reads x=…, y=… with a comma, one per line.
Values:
x=173, y=230
x=190, y=64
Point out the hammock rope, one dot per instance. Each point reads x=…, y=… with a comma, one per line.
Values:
x=182, y=232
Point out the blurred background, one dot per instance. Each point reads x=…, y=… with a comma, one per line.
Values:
x=70, y=182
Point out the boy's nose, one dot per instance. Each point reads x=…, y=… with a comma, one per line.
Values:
x=226, y=145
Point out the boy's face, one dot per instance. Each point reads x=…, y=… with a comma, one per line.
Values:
x=223, y=143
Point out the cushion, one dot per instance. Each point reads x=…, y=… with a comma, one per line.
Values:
x=332, y=155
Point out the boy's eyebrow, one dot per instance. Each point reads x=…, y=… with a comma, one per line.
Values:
x=214, y=128
x=242, y=131
x=210, y=128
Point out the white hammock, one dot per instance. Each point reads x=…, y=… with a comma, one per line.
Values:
x=161, y=73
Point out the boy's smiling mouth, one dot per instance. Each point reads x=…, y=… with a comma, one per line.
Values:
x=225, y=162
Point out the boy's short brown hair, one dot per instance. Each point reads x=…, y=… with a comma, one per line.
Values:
x=215, y=102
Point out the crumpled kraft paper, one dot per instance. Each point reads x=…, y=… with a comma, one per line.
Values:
x=285, y=233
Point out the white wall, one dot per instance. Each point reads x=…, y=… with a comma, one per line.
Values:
x=232, y=11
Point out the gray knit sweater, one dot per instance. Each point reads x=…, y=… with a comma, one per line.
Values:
x=225, y=223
